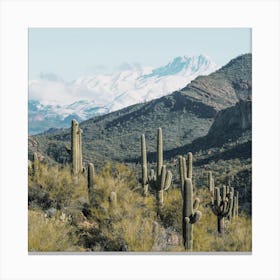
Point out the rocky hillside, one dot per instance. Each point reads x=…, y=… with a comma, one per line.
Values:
x=229, y=136
x=184, y=116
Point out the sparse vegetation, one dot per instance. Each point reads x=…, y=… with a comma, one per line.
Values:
x=64, y=220
x=95, y=196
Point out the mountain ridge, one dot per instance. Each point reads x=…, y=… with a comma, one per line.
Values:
x=131, y=85
x=184, y=116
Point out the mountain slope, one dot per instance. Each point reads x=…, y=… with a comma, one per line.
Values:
x=95, y=95
x=184, y=116
x=224, y=87
x=229, y=136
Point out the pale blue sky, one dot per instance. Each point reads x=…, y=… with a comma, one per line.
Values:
x=74, y=52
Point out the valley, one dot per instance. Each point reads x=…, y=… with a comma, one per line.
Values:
x=198, y=141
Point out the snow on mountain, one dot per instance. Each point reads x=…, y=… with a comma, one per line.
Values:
x=51, y=98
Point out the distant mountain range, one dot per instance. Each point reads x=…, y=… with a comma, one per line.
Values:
x=54, y=102
x=211, y=112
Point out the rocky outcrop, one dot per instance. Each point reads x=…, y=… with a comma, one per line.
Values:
x=233, y=120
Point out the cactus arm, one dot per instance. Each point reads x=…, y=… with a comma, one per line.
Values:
x=190, y=169
x=195, y=217
x=234, y=207
x=181, y=172
x=231, y=195
x=196, y=203
x=215, y=210
x=162, y=177
x=228, y=190
x=224, y=193
x=168, y=180
x=217, y=198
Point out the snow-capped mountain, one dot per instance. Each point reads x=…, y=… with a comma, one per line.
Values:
x=53, y=101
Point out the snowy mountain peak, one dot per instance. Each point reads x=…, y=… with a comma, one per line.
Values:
x=185, y=65
x=54, y=100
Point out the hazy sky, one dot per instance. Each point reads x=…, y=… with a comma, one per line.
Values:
x=74, y=52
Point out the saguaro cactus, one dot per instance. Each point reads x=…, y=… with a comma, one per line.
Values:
x=221, y=206
x=76, y=147
x=190, y=214
x=185, y=169
x=235, y=205
x=113, y=199
x=144, y=165
x=159, y=153
x=189, y=170
x=90, y=182
x=230, y=190
x=161, y=180
x=163, y=177
x=211, y=184
x=182, y=172
x=35, y=164
x=80, y=132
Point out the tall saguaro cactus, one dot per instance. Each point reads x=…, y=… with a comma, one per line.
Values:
x=159, y=180
x=91, y=182
x=144, y=165
x=80, y=150
x=182, y=172
x=235, y=205
x=35, y=164
x=222, y=204
x=163, y=177
x=211, y=184
x=76, y=148
x=159, y=153
x=190, y=214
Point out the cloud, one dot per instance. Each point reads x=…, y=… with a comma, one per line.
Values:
x=50, y=92
x=50, y=77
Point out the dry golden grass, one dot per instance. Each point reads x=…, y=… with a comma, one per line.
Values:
x=132, y=217
x=49, y=234
x=129, y=225
x=237, y=237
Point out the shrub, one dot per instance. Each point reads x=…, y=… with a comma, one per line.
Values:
x=134, y=223
x=50, y=234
